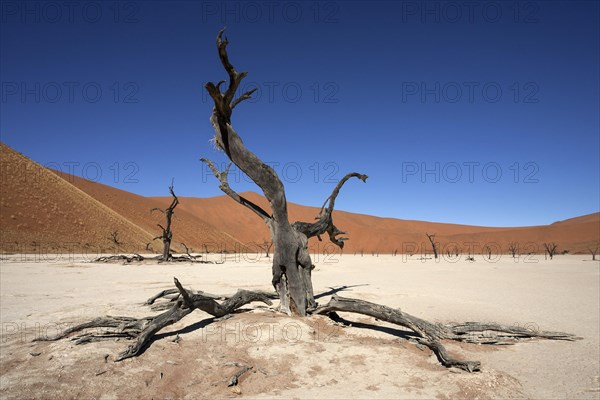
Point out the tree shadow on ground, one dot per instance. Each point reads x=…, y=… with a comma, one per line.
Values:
x=335, y=290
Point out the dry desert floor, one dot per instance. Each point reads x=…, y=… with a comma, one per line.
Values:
x=302, y=358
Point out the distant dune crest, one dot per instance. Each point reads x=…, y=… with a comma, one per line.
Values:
x=41, y=208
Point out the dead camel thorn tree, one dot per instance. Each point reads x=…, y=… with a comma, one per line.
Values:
x=513, y=248
x=551, y=249
x=266, y=246
x=433, y=244
x=594, y=251
x=167, y=234
x=292, y=265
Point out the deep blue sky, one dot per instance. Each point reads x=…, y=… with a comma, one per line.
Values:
x=498, y=101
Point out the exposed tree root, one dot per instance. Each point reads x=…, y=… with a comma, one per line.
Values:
x=143, y=329
x=121, y=257
x=181, y=302
x=172, y=295
x=139, y=258
x=431, y=335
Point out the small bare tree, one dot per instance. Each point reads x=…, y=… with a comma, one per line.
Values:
x=188, y=252
x=267, y=247
x=167, y=234
x=114, y=238
x=594, y=251
x=513, y=248
x=551, y=249
x=433, y=244
x=488, y=250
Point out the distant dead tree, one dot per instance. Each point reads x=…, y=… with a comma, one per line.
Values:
x=594, y=251
x=188, y=252
x=167, y=234
x=433, y=244
x=488, y=250
x=149, y=246
x=513, y=248
x=114, y=237
x=395, y=252
x=551, y=249
x=267, y=247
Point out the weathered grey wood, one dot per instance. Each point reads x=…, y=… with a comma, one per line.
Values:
x=291, y=261
x=167, y=235
x=143, y=329
x=235, y=378
x=431, y=335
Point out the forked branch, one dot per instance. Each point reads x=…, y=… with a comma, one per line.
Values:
x=324, y=223
x=225, y=188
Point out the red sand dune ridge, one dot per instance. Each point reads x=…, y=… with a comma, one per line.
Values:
x=371, y=234
x=43, y=210
x=40, y=207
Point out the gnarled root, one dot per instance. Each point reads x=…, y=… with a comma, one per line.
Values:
x=144, y=329
x=431, y=335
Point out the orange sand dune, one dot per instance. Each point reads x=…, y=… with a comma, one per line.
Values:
x=42, y=210
x=39, y=211
x=386, y=235
x=43, y=207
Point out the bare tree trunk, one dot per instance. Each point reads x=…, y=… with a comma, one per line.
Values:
x=292, y=264
x=167, y=234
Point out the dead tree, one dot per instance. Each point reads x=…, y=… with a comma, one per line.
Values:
x=433, y=244
x=114, y=237
x=488, y=250
x=167, y=234
x=267, y=247
x=594, y=251
x=513, y=248
x=188, y=252
x=551, y=249
x=292, y=265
